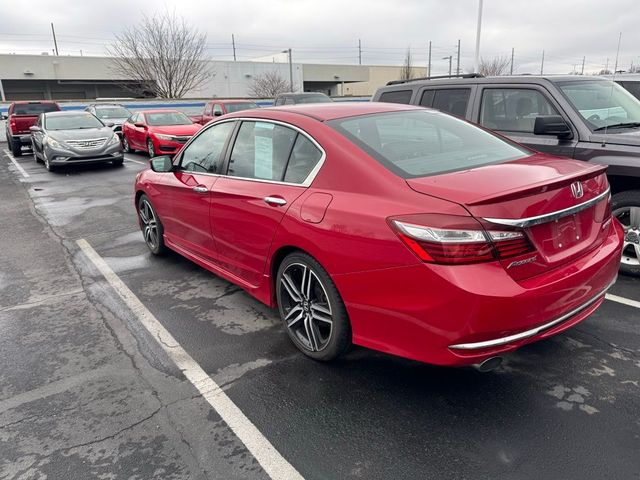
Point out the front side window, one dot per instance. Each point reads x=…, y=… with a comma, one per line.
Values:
x=204, y=153
x=207, y=110
x=167, y=118
x=418, y=143
x=603, y=104
x=396, y=96
x=513, y=109
x=72, y=122
x=261, y=151
x=217, y=109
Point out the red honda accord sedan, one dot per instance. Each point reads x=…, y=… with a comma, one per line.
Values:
x=397, y=228
x=158, y=132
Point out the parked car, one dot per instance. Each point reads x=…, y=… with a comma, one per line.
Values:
x=20, y=117
x=295, y=98
x=111, y=113
x=586, y=118
x=157, y=132
x=397, y=228
x=65, y=138
x=630, y=82
x=217, y=108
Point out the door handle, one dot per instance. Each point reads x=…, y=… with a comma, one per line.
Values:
x=200, y=189
x=275, y=201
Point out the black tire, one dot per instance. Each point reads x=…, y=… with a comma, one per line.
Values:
x=150, y=149
x=35, y=153
x=328, y=340
x=48, y=166
x=155, y=242
x=622, y=205
x=118, y=163
x=125, y=145
x=16, y=148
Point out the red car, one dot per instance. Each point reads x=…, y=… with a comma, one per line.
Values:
x=158, y=132
x=402, y=229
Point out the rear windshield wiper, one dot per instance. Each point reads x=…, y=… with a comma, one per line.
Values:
x=619, y=125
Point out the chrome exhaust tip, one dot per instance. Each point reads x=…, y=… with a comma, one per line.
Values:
x=489, y=364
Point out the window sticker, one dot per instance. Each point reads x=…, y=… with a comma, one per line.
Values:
x=265, y=125
x=263, y=166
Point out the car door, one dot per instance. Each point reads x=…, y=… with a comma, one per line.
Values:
x=185, y=193
x=266, y=173
x=36, y=137
x=512, y=110
x=130, y=130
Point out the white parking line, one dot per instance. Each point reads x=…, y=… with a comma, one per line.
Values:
x=18, y=166
x=625, y=301
x=135, y=161
x=276, y=466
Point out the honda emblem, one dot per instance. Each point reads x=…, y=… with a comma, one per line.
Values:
x=576, y=190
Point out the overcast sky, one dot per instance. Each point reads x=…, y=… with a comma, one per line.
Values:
x=328, y=31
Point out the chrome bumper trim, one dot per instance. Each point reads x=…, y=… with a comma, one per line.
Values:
x=548, y=217
x=534, y=331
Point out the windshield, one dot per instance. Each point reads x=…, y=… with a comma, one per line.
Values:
x=34, y=109
x=314, y=99
x=236, y=107
x=419, y=143
x=167, y=118
x=112, y=112
x=72, y=122
x=602, y=103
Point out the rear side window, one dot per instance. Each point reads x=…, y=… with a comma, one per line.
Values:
x=513, y=109
x=419, y=143
x=34, y=108
x=304, y=156
x=396, y=96
x=452, y=101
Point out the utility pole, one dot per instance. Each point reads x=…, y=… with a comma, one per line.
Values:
x=233, y=44
x=512, y=54
x=55, y=42
x=606, y=66
x=476, y=66
x=542, y=63
x=429, y=65
x=458, y=60
x=290, y=71
x=582, y=71
x=450, y=58
x=359, y=52
x=615, y=69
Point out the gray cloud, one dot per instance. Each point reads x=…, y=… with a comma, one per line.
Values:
x=328, y=31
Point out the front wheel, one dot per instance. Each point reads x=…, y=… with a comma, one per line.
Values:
x=150, y=149
x=126, y=146
x=151, y=225
x=16, y=148
x=626, y=208
x=311, y=308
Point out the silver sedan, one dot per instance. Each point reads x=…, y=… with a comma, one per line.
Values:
x=65, y=138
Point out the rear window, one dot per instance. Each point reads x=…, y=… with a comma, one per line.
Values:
x=237, y=107
x=167, y=118
x=420, y=143
x=34, y=109
x=396, y=96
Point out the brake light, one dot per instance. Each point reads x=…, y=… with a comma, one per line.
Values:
x=454, y=240
x=12, y=124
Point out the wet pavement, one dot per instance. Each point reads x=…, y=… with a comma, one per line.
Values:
x=87, y=392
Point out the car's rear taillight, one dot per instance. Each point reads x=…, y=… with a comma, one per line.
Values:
x=12, y=125
x=455, y=240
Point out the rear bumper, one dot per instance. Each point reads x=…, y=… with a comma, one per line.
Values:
x=427, y=312
x=24, y=139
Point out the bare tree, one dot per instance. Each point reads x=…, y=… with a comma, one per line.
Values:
x=268, y=85
x=495, y=66
x=162, y=54
x=604, y=71
x=406, y=73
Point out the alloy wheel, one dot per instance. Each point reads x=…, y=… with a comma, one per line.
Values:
x=150, y=148
x=149, y=224
x=630, y=219
x=125, y=145
x=306, y=309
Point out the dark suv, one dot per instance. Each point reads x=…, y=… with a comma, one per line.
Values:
x=587, y=118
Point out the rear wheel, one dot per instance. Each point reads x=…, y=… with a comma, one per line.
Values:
x=16, y=148
x=626, y=208
x=150, y=149
x=311, y=309
x=151, y=225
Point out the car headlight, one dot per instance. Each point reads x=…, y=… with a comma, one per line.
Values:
x=163, y=137
x=55, y=144
x=114, y=139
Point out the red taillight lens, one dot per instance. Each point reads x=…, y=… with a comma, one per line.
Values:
x=12, y=125
x=455, y=240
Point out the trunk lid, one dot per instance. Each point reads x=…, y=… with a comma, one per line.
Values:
x=560, y=225
x=20, y=124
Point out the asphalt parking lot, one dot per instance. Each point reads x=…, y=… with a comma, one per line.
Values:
x=86, y=391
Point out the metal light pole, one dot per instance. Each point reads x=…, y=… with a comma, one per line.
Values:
x=450, y=58
x=55, y=42
x=288, y=51
x=476, y=66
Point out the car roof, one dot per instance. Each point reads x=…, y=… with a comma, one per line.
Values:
x=232, y=100
x=329, y=111
x=66, y=113
x=110, y=105
x=301, y=94
x=34, y=102
x=159, y=110
x=496, y=79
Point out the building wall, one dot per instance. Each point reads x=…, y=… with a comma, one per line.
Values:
x=378, y=77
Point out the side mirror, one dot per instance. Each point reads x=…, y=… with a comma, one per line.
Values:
x=35, y=129
x=217, y=113
x=161, y=164
x=140, y=125
x=552, y=125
